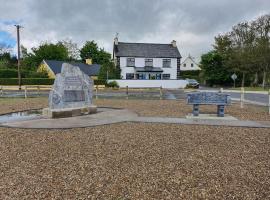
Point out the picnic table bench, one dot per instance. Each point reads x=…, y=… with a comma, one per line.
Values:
x=208, y=98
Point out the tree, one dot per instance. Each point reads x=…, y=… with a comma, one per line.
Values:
x=73, y=51
x=213, y=69
x=108, y=71
x=91, y=50
x=45, y=51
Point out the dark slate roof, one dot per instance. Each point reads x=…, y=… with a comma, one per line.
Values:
x=146, y=50
x=90, y=70
x=148, y=69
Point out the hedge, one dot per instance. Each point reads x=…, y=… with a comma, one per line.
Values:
x=13, y=73
x=37, y=81
x=190, y=74
x=26, y=81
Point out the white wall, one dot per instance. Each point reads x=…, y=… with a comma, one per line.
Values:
x=172, y=84
x=188, y=67
x=157, y=62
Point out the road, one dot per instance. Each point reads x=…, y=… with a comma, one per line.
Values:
x=170, y=94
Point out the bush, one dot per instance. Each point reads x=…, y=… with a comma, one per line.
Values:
x=113, y=84
x=99, y=82
x=26, y=81
x=190, y=74
x=8, y=73
x=13, y=73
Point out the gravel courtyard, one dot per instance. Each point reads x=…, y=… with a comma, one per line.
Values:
x=136, y=160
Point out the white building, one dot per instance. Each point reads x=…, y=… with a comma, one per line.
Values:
x=147, y=61
x=189, y=65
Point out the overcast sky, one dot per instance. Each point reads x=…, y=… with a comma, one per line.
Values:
x=192, y=23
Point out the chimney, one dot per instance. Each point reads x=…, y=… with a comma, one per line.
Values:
x=173, y=43
x=116, y=40
x=88, y=61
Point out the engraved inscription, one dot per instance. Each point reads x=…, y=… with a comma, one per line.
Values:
x=74, y=95
x=73, y=80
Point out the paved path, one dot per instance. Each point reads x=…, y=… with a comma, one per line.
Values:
x=110, y=116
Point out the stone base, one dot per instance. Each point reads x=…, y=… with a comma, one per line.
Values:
x=69, y=112
x=210, y=116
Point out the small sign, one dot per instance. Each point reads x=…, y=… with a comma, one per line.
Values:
x=234, y=76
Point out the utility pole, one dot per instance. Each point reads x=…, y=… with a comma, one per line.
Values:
x=19, y=55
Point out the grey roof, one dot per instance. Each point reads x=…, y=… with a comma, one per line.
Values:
x=146, y=50
x=90, y=70
x=148, y=69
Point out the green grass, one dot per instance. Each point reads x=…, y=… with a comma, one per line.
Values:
x=251, y=89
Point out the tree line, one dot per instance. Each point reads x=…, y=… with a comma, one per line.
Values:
x=63, y=50
x=244, y=50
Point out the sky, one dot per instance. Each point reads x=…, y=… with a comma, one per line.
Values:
x=192, y=23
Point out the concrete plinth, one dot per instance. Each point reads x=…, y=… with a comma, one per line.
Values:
x=69, y=112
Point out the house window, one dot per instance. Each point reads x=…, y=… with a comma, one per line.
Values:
x=148, y=62
x=185, y=64
x=166, y=76
x=129, y=76
x=191, y=64
x=158, y=76
x=166, y=62
x=130, y=62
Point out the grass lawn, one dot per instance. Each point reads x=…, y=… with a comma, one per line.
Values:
x=136, y=160
x=251, y=89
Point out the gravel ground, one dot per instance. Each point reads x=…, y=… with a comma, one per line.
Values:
x=134, y=160
x=163, y=108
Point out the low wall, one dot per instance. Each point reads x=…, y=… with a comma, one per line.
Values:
x=173, y=84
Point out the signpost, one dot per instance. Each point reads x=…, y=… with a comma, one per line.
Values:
x=234, y=77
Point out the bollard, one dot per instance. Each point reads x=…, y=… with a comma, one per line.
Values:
x=96, y=91
x=160, y=93
x=221, y=90
x=1, y=90
x=242, y=97
x=126, y=92
x=38, y=89
x=269, y=101
x=25, y=92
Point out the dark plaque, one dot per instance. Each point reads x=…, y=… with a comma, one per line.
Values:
x=74, y=95
x=73, y=80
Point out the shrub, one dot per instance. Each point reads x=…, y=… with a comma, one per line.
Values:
x=99, y=82
x=113, y=84
x=26, y=81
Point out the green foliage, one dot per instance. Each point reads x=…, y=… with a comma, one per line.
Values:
x=13, y=73
x=113, y=84
x=91, y=50
x=26, y=81
x=99, y=82
x=190, y=74
x=45, y=51
x=110, y=70
x=213, y=69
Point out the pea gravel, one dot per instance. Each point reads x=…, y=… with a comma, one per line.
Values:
x=134, y=160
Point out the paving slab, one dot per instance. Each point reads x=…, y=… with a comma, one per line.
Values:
x=106, y=116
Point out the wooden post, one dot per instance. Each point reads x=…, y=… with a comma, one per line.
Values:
x=126, y=92
x=160, y=93
x=38, y=89
x=269, y=101
x=242, y=97
x=25, y=92
x=96, y=91
x=1, y=90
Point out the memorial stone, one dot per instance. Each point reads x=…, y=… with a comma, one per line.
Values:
x=71, y=94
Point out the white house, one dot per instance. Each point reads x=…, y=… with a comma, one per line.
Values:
x=147, y=61
x=189, y=65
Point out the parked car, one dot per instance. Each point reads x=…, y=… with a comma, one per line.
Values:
x=192, y=83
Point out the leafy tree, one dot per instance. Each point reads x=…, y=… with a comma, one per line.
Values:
x=91, y=50
x=108, y=71
x=213, y=69
x=45, y=51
